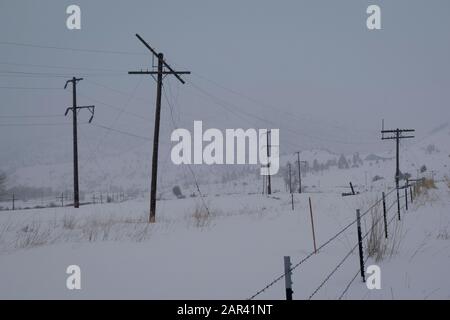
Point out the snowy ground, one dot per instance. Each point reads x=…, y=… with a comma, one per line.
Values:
x=230, y=255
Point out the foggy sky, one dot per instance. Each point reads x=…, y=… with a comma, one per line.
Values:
x=313, y=67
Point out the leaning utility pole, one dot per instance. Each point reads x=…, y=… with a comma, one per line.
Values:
x=75, y=108
x=163, y=70
x=397, y=136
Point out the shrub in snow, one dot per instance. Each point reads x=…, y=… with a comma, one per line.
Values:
x=177, y=192
x=376, y=178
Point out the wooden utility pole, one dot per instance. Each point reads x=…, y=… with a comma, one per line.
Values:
x=269, y=183
x=299, y=172
x=290, y=178
x=75, y=108
x=163, y=69
x=61, y=197
x=397, y=136
x=290, y=186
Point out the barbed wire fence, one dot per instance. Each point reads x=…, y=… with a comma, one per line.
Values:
x=346, y=256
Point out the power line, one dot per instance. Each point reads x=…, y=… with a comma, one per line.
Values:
x=262, y=104
x=130, y=97
x=54, y=75
x=29, y=45
x=30, y=88
x=116, y=107
x=33, y=124
x=227, y=105
x=121, y=131
x=189, y=167
x=32, y=116
x=58, y=67
x=123, y=93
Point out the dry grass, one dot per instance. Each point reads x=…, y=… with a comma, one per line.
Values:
x=69, y=222
x=424, y=186
x=377, y=246
x=202, y=218
x=35, y=232
x=447, y=181
x=33, y=235
x=444, y=233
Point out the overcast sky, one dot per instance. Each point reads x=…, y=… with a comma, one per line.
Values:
x=310, y=67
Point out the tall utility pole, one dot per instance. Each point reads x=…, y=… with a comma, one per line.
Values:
x=13, y=201
x=75, y=108
x=163, y=70
x=290, y=178
x=269, y=184
x=299, y=172
x=398, y=134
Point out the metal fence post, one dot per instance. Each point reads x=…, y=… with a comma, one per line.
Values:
x=361, y=253
x=287, y=277
x=384, y=216
x=406, y=198
x=411, y=194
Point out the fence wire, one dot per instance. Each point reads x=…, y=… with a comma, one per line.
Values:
x=270, y=284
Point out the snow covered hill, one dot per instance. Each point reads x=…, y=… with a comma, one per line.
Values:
x=130, y=169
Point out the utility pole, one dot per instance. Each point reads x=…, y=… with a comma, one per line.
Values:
x=290, y=178
x=264, y=184
x=269, y=184
x=13, y=201
x=299, y=172
x=365, y=179
x=398, y=134
x=290, y=186
x=75, y=108
x=163, y=70
x=61, y=197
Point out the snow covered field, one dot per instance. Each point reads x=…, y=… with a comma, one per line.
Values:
x=231, y=254
x=238, y=248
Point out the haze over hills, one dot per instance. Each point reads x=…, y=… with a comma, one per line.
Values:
x=50, y=166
